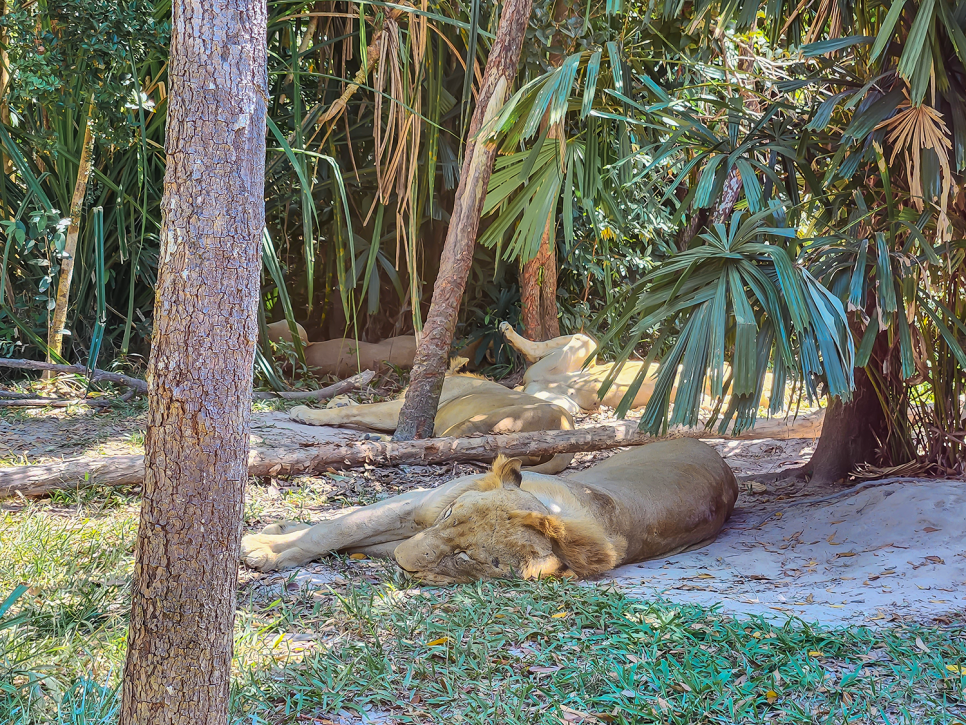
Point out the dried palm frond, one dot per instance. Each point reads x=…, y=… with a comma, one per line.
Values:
x=911, y=130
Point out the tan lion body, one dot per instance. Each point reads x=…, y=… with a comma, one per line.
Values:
x=343, y=356
x=468, y=405
x=558, y=375
x=655, y=500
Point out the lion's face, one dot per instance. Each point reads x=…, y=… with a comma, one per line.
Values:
x=501, y=531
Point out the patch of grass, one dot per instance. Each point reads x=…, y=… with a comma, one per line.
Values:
x=496, y=652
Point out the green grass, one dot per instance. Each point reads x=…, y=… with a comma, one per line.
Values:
x=505, y=652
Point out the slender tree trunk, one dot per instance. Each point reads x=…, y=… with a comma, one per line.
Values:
x=429, y=368
x=200, y=371
x=538, y=276
x=55, y=335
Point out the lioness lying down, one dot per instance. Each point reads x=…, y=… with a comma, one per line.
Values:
x=344, y=356
x=557, y=375
x=655, y=500
x=469, y=406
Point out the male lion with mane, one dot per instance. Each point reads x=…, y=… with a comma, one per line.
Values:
x=655, y=500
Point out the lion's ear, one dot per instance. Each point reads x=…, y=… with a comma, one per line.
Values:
x=505, y=473
x=582, y=544
x=508, y=470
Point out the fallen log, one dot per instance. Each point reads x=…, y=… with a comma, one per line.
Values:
x=129, y=470
x=57, y=402
x=133, y=383
x=339, y=388
x=86, y=471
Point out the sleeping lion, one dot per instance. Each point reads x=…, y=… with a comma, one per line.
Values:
x=654, y=500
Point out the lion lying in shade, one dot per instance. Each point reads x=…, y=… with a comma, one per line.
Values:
x=557, y=375
x=469, y=405
x=344, y=356
x=655, y=500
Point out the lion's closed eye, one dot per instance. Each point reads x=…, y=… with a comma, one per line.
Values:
x=445, y=515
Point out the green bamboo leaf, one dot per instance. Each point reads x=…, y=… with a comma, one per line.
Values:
x=590, y=83
x=702, y=198
x=884, y=35
x=834, y=44
x=868, y=340
x=914, y=52
x=857, y=284
x=886, y=282
x=863, y=123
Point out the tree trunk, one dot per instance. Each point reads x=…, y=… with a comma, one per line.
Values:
x=432, y=355
x=55, y=334
x=852, y=433
x=538, y=277
x=200, y=371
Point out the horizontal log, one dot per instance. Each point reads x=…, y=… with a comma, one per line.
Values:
x=41, y=479
x=340, y=388
x=57, y=402
x=98, y=375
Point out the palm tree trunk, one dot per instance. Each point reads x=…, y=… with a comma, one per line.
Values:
x=538, y=276
x=419, y=410
x=178, y=667
x=55, y=334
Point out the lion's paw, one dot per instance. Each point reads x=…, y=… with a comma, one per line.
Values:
x=302, y=414
x=504, y=327
x=284, y=527
x=256, y=552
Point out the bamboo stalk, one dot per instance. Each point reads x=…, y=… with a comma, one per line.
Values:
x=55, y=335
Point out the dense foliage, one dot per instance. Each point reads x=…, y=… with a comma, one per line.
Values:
x=737, y=187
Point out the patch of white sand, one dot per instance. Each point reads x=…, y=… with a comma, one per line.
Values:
x=898, y=549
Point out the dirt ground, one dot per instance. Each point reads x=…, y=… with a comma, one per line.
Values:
x=874, y=553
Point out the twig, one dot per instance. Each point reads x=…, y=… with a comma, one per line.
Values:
x=134, y=383
x=343, y=386
x=840, y=494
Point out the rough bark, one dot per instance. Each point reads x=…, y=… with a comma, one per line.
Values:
x=55, y=335
x=538, y=277
x=851, y=435
x=432, y=355
x=200, y=371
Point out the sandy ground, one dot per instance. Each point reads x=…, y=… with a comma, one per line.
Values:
x=887, y=552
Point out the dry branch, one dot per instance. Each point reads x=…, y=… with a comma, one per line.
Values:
x=339, y=388
x=134, y=383
x=129, y=470
x=57, y=402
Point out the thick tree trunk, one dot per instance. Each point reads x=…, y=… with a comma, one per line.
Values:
x=538, y=276
x=852, y=433
x=200, y=372
x=419, y=411
x=55, y=334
